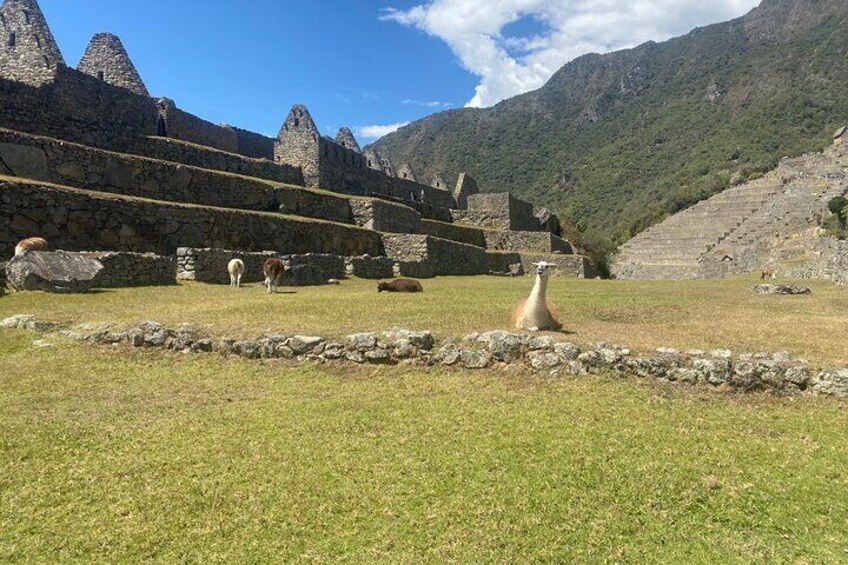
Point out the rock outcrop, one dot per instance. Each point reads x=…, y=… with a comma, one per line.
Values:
x=55, y=271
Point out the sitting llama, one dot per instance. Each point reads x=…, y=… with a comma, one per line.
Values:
x=536, y=313
x=31, y=244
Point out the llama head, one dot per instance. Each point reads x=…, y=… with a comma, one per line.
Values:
x=381, y=286
x=544, y=269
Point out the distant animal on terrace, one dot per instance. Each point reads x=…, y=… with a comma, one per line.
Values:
x=400, y=285
x=536, y=313
x=767, y=273
x=32, y=244
x=274, y=269
x=236, y=270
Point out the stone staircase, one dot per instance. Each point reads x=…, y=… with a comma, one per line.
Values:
x=732, y=232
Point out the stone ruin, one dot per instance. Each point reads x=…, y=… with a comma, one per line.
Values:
x=90, y=161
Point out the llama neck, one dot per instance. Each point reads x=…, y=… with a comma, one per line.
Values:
x=539, y=290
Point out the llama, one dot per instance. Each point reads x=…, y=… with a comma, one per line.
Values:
x=236, y=270
x=536, y=313
x=767, y=273
x=274, y=269
x=31, y=244
x=400, y=285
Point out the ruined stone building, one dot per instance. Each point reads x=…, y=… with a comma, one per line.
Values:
x=91, y=161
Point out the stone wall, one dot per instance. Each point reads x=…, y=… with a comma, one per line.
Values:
x=823, y=258
x=426, y=211
x=74, y=219
x=571, y=266
x=504, y=263
x=125, y=270
x=210, y=266
x=195, y=155
x=383, y=216
x=436, y=256
x=80, y=108
x=367, y=267
x=499, y=211
x=77, y=107
x=531, y=242
x=346, y=171
x=74, y=165
x=454, y=232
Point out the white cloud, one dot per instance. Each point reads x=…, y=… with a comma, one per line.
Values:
x=372, y=133
x=426, y=104
x=509, y=65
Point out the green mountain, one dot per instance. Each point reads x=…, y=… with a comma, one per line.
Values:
x=620, y=141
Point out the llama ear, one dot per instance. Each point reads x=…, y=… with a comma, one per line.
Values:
x=535, y=264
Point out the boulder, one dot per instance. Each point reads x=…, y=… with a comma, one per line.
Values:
x=780, y=289
x=833, y=382
x=56, y=271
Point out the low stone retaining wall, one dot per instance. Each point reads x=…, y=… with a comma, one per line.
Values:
x=427, y=254
x=572, y=266
x=527, y=242
x=826, y=259
x=454, y=232
x=69, y=164
x=542, y=354
x=75, y=219
x=366, y=267
x=209, y=158
x=383, y=216
x=126, y=270
x=505, y=263
x=210, y=266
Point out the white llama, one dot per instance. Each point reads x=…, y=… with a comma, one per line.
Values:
x=236, y=270
x=535, y=313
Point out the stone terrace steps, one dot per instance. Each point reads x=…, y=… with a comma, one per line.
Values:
x=76, y=219
x=80, y=166
x=739, y=223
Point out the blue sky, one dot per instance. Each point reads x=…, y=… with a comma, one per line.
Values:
x=362, y=63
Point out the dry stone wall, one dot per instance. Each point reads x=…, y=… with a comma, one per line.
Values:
x=195, y=155
x=454, y=232
x=379, y=215
x=210, y=266
x=572, y=266
x=528, y=242
x=498, y=211
x=126, y=270
x=367, y=267
x=77, y=107
x=77, y=220
x=422, y=256
x=74, y=165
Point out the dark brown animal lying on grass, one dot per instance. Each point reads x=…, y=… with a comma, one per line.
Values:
x=274, y=270
x=400, y=285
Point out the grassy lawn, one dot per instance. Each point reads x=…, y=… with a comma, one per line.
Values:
x=642, y=315
x=125, y=456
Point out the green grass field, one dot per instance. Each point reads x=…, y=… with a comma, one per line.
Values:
x=115, y=455
x=642, y=315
